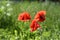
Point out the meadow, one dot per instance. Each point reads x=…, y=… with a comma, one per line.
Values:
x=12, y=29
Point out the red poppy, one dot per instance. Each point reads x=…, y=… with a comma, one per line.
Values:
x=25, y=16
x=34, y=25
x=40, y=16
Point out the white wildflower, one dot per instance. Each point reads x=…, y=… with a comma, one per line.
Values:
x=8, y=14
x=2, y=7
x=8, y=4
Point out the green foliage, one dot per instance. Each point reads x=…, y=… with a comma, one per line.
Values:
x=12, y=29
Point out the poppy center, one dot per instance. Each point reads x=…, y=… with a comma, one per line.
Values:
x=42, y=17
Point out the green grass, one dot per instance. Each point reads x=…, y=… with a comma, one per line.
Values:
x=12, y=29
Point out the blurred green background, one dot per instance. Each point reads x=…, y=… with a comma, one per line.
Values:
x=12, y=29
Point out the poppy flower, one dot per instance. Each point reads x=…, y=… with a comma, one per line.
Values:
x=34, y=25
x=25, y=16
x=40, y=16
